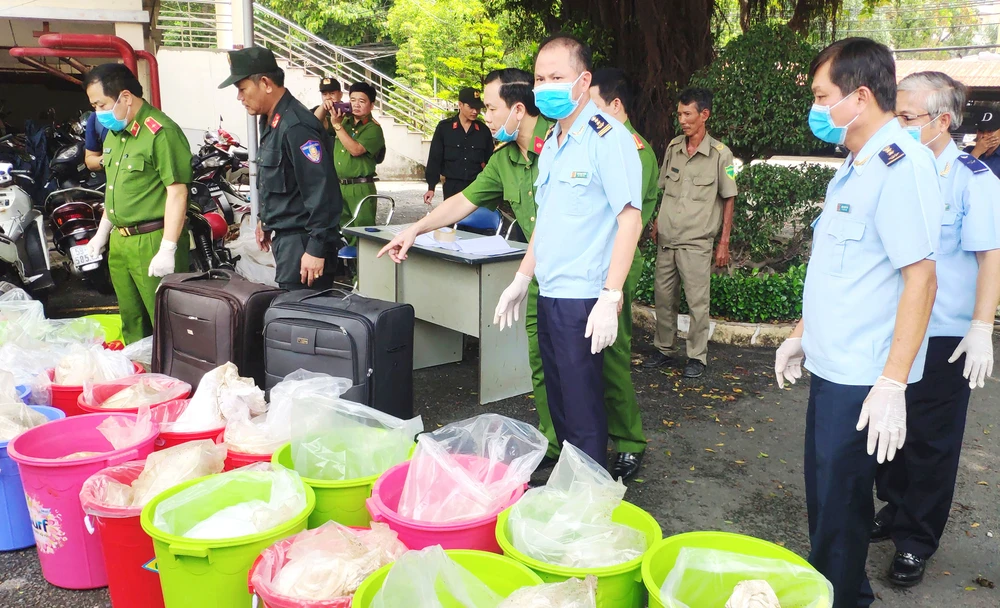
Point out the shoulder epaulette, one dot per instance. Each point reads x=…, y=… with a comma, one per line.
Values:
x=598, y=124
x=719, y=146
x=977, y=166
x=638, y=142
x=152, y=125
x=891, y=154
x=552, y=128
x=500, y=145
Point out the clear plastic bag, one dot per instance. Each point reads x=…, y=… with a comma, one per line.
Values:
x=254, y=265
x=125, y=431
x=29, y=362
x=82, y=364
x=82, y=331
x=430, y=579
x=108, y=493
x=16, y=418
x=238, y=503
x=222, y=394
x=568, y=521
x=753, y=594
x=708, y=577
x=572, y=593
x=141, y=352
x=336, y=439
x=21, y=318
x=8, y=388
x=322, y=568
x=134, y=391
x=470, y=468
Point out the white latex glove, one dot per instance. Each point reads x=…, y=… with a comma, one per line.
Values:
x=788, y=361
x=99, y=241
x=602, y=324
x=162, y=263
x=884, y=413
x=509, y=308
x=978, y=348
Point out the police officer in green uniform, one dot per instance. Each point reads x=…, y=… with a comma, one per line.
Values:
x=299, y=199
x=148, y=164
x=359, y=145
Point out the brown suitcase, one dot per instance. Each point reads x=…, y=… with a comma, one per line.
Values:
x=206, y=319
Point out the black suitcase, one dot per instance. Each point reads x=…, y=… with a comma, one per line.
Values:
x=206, y=319
x=368, y=341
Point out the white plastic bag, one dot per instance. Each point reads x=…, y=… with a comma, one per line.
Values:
x=16, y=418
x=175, y=465
x=336, y=439
x=753, y=594
x=572, y=593
x=568, y=521
x=134, y=391
x=278, y=496
x=328, y=563
x=29, y=364
x=709, y=577
x=254, y=265
x=83, y=364
x=222, y=394
x=470, y=468
x=430, y=579
x=141, y=352
x=8, y=388
x=124, y=431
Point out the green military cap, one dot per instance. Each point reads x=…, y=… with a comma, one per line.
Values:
x=244, y=63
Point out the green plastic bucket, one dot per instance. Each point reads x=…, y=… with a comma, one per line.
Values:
x=213, y=572
x=112, y=325
x=501, y=574
x=339, y=501
x=617, y=586
x=660, y=559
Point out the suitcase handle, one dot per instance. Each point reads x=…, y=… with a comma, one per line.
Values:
x=332, y=290
x=215, y=273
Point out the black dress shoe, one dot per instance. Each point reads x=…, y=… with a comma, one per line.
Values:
x=626, y=465
x=658, y=360
x=694, y=369
x=907, y=569
x=881, y=528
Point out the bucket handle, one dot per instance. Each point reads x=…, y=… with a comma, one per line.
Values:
x=374, y=511
x=88, y=524
x=188, y=550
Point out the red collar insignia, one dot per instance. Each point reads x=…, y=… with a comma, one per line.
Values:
x=476, y=125
x=152, y=125
x=275, y=120
x=454, y=125
x=539, y=144
x=134, y=129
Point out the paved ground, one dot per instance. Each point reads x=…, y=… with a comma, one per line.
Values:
x=725, y=453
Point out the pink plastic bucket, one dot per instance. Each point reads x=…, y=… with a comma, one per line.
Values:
x=168, y=412
x=69, y=550
x=478, y=533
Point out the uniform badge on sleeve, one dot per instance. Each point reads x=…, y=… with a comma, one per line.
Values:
x=731, y=172
x=312, y=150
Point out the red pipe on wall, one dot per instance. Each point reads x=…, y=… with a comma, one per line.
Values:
x=154, y=76
x=93, y=41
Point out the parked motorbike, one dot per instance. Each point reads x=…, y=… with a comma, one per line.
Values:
x=238, y=173
x=214, y=209
x=24, y=254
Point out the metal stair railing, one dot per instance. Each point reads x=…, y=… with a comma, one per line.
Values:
x=303, y=49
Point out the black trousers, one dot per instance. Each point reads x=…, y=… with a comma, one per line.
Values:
x=919, y=483
x=574, y=378
x=839, y=475
x=453, y=186
x=288, y=248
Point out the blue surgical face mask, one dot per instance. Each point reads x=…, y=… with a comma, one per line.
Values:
x=821, y=123
x=502, y=135
x=915, y=131
x=108, y=119
x=555, y=99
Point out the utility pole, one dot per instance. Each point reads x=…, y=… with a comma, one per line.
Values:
x=251, y=120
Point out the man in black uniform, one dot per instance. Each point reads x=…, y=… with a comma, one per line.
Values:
x=460, y=148
x=300, y=198
x=329, y=89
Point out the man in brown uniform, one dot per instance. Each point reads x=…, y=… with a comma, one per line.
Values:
x=699, y=188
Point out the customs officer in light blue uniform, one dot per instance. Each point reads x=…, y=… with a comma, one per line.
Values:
x=589, y=195
x=920, y=483
x=867, y=300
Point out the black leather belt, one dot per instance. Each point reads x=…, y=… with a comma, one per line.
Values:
x=358, y=180
x=142, y=228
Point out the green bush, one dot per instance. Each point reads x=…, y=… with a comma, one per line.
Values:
x=774, y=211
x=747, y=296
x=762, y=95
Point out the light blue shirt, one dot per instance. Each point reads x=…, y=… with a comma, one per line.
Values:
x=581, y=188
x=971, y=223
x=882, y=212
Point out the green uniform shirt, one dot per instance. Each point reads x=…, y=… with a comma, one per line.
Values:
x=509, y=176
x=650, y=172
x=297, y=183
x=366, y=132
x=150, y=154
x=694, y=189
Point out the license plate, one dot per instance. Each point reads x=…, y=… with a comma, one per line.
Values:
x=81, y=257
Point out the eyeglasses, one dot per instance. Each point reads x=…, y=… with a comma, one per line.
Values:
x=911, y=118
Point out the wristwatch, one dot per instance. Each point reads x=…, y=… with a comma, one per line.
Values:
x=615, y=295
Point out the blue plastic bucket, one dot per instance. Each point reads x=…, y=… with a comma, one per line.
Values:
x=15, y=525
x=24, y=393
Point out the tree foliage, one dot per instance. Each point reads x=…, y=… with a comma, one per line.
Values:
x=451, y=41
x=341, y=22
x=762, y=94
